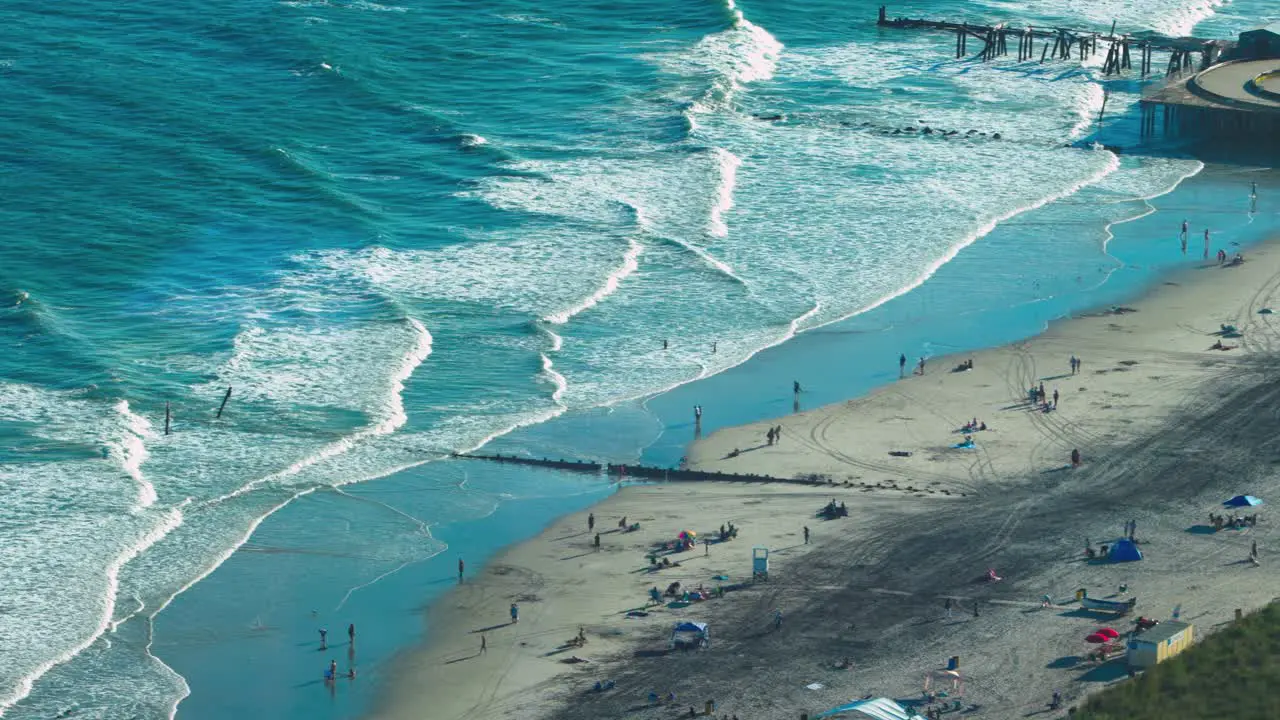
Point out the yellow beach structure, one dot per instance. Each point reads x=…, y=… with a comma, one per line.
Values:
x=1159, y=643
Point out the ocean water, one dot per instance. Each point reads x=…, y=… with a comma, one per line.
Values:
x=399, y=231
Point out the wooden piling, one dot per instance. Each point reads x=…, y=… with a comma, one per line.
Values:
x=167, y=416
x=223, y=406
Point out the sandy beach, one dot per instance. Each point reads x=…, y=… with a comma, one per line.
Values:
x=1166, y=428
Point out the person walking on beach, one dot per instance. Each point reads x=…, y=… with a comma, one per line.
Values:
x=769, y=436
x=806, y=534
x=713, y=348
x=597, y=542
x=484, y=645
x=1183, y=237
x=324, y=639
x=461, y=567
x=946, y=608
x=921, y=366
x=902, y=366
x=777, y=619
x=1055, y=397
x=515, y=613
x=1206, y=243
x=591, y=522
x=1072, y=362
x=777, y=434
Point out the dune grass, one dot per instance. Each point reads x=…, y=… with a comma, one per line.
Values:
x=1233, y=673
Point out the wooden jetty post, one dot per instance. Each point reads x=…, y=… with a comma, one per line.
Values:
x=225, y=398
x=167, y=415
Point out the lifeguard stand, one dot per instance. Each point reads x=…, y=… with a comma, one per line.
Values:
x=759, y=563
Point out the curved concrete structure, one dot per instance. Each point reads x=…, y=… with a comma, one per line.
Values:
x=1243, y=84
x=1266, y=85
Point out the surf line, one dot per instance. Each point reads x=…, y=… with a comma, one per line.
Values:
x=394, y=418
x=630, y=263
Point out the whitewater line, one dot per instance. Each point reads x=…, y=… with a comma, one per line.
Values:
x=133, y=452
x=395, y=418
x=706, y=257
x=556, y=379
x=25, y=684
x=729, y=164
x=630, y=263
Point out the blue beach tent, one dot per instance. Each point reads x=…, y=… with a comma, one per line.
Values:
x=1124, y=551
x=1242, y=501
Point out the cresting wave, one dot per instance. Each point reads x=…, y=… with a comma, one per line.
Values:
x=630, y=263
x=394, y=416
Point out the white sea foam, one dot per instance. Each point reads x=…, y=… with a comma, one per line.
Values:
x=470, y=141
x=133, y=451
x=729, y=164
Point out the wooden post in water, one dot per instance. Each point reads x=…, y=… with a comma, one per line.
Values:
x=225, y=398
x=167, y=416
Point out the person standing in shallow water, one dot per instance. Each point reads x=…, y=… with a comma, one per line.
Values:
x=591, y=522
x=1183, y=237
x=1206, y=243
x=351, y=633
x=461, y=567
x=902, y=365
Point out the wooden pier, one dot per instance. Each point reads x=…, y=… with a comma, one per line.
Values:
x=1060, y=43
x=652, y=472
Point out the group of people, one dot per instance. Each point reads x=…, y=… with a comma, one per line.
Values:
x=1235, y=260
x=966, y=365
x=1236, y=522
x=830, y=510
x=774, y=435
x=1075, y=365
x=973, y=426
x=1040, y=398
x=331, y=672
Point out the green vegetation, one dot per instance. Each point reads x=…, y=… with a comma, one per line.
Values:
x=1234, y=673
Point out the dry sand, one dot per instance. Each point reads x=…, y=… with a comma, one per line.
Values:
x=1167, y=428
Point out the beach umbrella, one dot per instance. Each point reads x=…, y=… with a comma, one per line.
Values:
x=1109, y=632
x=1242, y=501
x=1096, y=638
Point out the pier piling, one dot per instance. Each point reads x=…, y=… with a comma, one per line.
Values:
x=167, y=416
x=223, y=406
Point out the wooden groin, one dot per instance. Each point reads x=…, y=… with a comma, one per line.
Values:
x=653, y=472
x=1059, y=43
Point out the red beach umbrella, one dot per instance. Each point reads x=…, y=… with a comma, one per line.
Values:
x=1109, y=632
x=1096, y=638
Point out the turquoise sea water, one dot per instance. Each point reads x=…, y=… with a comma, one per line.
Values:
x=400, y=231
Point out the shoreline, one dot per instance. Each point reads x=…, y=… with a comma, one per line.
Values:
x=1157, y=333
